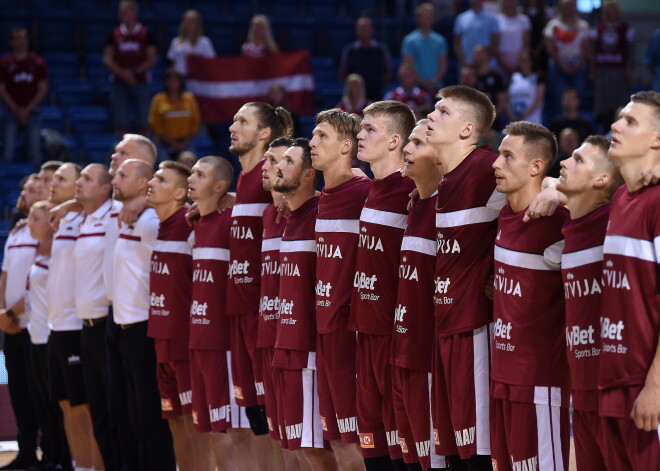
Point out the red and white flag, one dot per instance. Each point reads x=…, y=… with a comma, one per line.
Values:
x=223, y=84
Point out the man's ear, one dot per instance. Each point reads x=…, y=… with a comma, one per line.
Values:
x=468, y=130
x=536, y=167
x=395, y=141
x=601, y=181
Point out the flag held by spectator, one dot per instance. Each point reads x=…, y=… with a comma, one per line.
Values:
x=223, y=84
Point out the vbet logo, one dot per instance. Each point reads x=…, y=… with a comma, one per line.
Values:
x=367, y=440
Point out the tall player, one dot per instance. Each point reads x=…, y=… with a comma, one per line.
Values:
x=255, y=126
x=529, y=378
x=630, y=314
x=334, y=146
x=589, y=179
x=412, y=339
x=170, y=284
x=294, y=365
x=385, y=129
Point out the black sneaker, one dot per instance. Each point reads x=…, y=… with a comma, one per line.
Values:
x=21, y=463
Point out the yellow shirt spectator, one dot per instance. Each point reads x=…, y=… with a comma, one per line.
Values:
x=174, y=120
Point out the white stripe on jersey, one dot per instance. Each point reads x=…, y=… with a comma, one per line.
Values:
x=466, y=217
x=173, y=246
x=210, y=253
x=523, y=260
x=338, y=225
x=288, y=246
x=384, y=218
x=418, y=244
x=249, y=209
x=582, y=257
x=630, y=247
x=271, y=244
x=656, y=244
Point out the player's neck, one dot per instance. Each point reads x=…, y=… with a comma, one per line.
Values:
x=165, y=211
x=452, y=156
x=521, y=198
x=207, y=206
x=299, y=197
x=579, y=205
x=251, y=159
x=386, y=166
x=44, y=246
x=631, y=169
x=427, y=184
x=91, y=206
x=338, y=173
x=277, y=198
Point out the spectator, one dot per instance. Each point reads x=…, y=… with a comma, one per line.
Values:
x=526, y=92
x=612, y=62
x=567, y=42
x=473, y=27
x=354, y=99
x=187, y=158
x=190, y=42
x=515, y=29
x=652, y=59
x=426, y=51
x=570, y=117
x=260, y=42
x=417, y=99
x=568, y=141
x=489, y=81
x=367, y=57
x=537, y=12
x=130, y=54
x=277, y=96
x=468, y=76
x=174, y=117
x=23, y=84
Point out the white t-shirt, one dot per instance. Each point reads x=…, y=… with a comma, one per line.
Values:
x=20, y=250
x=130, y=300
x=37, y=298
x=568, y=39
x=522, y=93
x=179, y=50
x=61, y=292
x=512, y=33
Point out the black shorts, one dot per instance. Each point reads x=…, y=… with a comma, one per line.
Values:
x=65, y=380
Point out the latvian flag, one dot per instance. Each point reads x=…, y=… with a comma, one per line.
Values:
x=223, y=84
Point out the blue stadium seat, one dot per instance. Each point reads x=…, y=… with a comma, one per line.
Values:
x=98, y=147
x=86, y=120
x=95, y=34
x=74, y=92
x=57, y=35
x=14, y=171
x=323, y=70
x=307, y=124
x=52, y=117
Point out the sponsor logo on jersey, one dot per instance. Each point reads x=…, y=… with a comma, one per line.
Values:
x=241, y=232
x=293, y=431
x=403, y=444
x=129, y=46
x=436, y=437
x=576, y=336
x=370, y=242
x=392, y=437
x=347, y=425
x=503, y=331
x=24, y=77
x=579, y=288
x=218, y=414
x=238, y=392
x=442, y=286
x=399, y=312
x=529, y=464
x=423, y=448
x=165, y=404
x=156, y=300
x=362, y=281
x=73, y=360
x=324, y=424
x=185, y=397
x=610, y=330
x=286, y=309
x=464, y=437
x=323, y=289
x=238, y=268
x=198, y=309
x=269, y=304
x=367, y=440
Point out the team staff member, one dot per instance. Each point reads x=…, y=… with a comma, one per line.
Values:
x=334, y=146
x=589, y=179
x=170, y=284
x=130, y=285
x=93, y=193
x=294, y=361
x=530, y=379
x=385, y=129
x=629, y=376
x=412, y=340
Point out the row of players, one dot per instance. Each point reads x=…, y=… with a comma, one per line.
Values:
x=274, y=302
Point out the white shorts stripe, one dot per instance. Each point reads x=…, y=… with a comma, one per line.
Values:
x=173, y=246
x=656, y=244
x=548, y=429
x=630, y=247
x=522, y=259
x=582, y=257
x=268, y=245
x=383, y=218
x=437, y=461
x=288, y=246
x=338, y=225
x=312, y=430
x=545, y=395
x=210, y=253
x=251, y=209
x=465, y=217
x=238, y=417
x=419, y=244
x=481, y=352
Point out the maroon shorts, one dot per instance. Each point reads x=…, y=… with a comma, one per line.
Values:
x=297, y=399
x=245, y=362
x=589, y=441
x=528, y=436
x=459, y=393
x=375, y=410
x=174, y=387
x=211, y=409
x=335, y=367
x=269, y=391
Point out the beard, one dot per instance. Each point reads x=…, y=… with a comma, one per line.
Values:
x=286, y=187
x=239, y=149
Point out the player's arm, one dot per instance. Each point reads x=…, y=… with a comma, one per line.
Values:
x=652, y=176
x=7, y=99
x=61, y=210
x=7, y=320
x=3, y=287
x=646, y=409
x=546, y=202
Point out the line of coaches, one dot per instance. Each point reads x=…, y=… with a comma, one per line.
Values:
x=183, y=323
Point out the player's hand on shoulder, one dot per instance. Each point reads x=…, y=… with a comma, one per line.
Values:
x=545, y=202
x=651, y=176
x=20, y=224
x=131, y=210
x=192, y=214
x=358, y=172
x=414, y=197
x=646, y=408
x=8, y=323
x=56, y=213
x=282, y=210
x=226, y=202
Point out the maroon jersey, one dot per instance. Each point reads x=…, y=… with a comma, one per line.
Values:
x=209, y=325
x=630, y=312
x=269, y=306
x=611, y=43
x=170, y=279
x=244, y=283
x=129, y=50
x=296, y=330
x=528, y=301
x=412, y=340
x=337, y=228
x=466, y=224
x=416, y=98
x=22, y=77
x=581, y=270
x=382, y=222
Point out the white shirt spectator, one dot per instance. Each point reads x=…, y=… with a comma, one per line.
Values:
x=568, y=39
x=37, y=300
x=179, y=50
x=61, y=293
x=131, y=271
x=512, y=33
x=20, y=250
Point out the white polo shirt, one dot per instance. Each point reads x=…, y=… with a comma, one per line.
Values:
x=111, y=234
x=61, y=287
x=37, y=300
x=89, y=254
x=130, y=299
x=20, y=250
